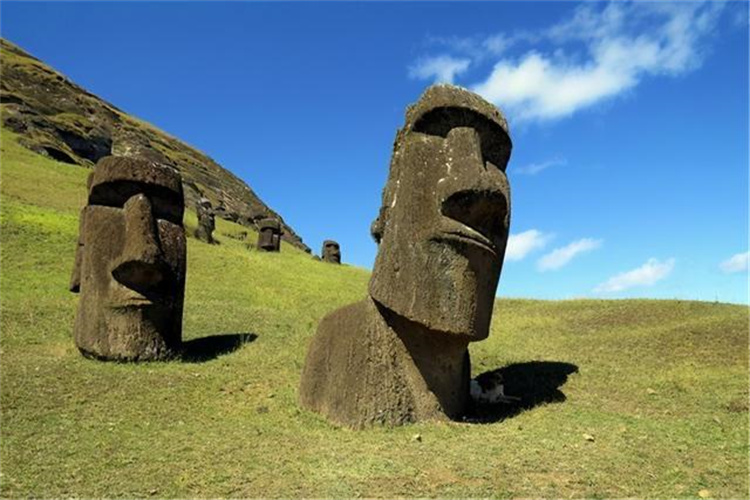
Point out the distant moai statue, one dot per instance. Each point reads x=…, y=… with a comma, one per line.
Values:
x=206, y=221
x=331, y=252
x=269, y=235
x=130, y=262
x=401, y=355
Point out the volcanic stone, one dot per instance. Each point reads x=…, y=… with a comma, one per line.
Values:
x=269, y=235
x=130, y=262
x=206, y=221
x=401, y=354
x=331, y=252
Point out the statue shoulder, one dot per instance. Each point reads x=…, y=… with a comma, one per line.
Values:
x=351, y=320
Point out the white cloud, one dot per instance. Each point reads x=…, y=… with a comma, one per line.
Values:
x=736, y=263
x=561, y=256
x=602, y=51
x=535, y=168
x=646, y=275
x=521, y=244
x=442, y=68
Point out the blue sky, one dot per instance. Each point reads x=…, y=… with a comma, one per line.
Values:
x=629, y=172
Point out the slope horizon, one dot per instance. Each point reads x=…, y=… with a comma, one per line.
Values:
x=606, y=188
x=618, y=398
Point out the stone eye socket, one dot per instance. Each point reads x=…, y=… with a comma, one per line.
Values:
x=496, y=144
x=165, y=203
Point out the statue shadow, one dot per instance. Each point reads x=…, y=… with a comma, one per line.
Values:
x=533, y=383
x=207, y=348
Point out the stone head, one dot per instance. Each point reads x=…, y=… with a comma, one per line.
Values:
x=130, y=262
x=331, y=252
x=205, y=213
x=269, y=235
x=443, y=225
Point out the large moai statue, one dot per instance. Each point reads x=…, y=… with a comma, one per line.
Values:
x=206, y=221
x=130, y=262
x=401, y=354
x=331, y=252
x=269, y=235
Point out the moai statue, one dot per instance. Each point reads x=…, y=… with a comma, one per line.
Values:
x=130, y=262
x=206, y=221
x=331, y=252
x=269, y=235
x=401, y=354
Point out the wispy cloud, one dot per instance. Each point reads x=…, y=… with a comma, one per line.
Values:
x=646, y=275
x=736, y=264
x=479, y=48
x=740, y=14
x=535, y=168
x=602, y=51
x=559, y=257
x=443, y=69
x=522, y=244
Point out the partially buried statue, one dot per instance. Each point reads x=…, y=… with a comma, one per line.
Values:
x=331, y=252
x=130, y=262
x=269, y=235
x=206, y=221
x=401, y=354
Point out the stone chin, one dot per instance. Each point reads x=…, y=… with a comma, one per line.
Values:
x=445, y=285
x=107, y=333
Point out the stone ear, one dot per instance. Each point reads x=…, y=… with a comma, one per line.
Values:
x=75, y=278
x=376, y=228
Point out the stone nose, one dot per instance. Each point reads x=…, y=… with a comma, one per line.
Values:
x=465, y=151
x=140, y=266
x=467, y=169
x=475, y=192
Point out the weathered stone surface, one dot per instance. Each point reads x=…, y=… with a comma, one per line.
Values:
x=206, y=221
x=269, y=235
x=401, y=355
x=331, y=252
x=130, y=262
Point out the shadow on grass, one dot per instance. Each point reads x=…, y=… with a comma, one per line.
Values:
x=208, y=348
x=534, y=383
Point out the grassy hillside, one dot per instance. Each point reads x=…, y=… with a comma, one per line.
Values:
x=637, y=398
x=58, y=119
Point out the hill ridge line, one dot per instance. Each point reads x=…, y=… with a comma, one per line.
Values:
x=60, y=119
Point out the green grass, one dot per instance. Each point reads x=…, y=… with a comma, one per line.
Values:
x=662, y=386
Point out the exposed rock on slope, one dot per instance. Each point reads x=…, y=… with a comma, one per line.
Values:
x=57, y=118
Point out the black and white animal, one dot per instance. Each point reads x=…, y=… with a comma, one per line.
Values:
x=488, y=388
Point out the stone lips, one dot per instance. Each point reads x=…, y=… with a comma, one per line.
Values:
x=401, y=354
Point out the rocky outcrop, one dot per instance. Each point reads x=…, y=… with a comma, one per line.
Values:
x=59, y=119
